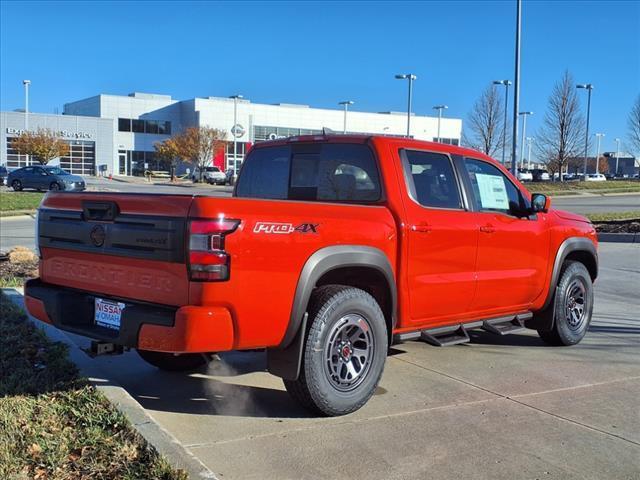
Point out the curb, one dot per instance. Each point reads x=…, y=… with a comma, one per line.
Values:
x=619, y=237
x=19, y=214
x=165, y=443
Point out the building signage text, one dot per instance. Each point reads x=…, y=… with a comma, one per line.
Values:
x=57, y=133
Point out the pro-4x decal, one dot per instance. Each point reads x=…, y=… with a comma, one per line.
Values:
x=285, y=228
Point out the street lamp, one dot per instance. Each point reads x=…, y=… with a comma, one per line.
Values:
x=524, y=131
x=233, y=132
x=410, y=77
x=598, y=136
x=26, y=84
x=506, y=83
x=588, y=87
x=617, y=140
x=346, y=104
x=516, y=88
x=529, y=141
x=440, y=108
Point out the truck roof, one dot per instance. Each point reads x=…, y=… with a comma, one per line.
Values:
x=364, y=138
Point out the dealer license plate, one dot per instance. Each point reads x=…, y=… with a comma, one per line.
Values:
x=108, y=313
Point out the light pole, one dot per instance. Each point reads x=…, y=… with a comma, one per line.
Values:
x=26, y=84
x=617, y=154
x=529, y=141
x=506, y=83
x=516, y=89
x=524, y=133
x=410, y=77
x=598, y=136
x=346, y=104
x=440, y=108
x=588, y=87
x=234, y=133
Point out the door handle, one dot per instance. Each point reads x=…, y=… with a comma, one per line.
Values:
x=422, y=228
x=487, y=228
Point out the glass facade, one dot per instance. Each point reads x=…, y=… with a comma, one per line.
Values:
x=260, y=134
x=160, y=127
x=81, y=159
x=136, y=162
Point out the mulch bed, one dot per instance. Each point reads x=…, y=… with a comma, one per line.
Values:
x=22, y=270
x=618, y=226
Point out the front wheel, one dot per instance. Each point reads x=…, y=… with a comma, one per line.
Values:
x=573, y=306
x=174, y=362
x=16, y=185
x=54, y=187
x=345, y=351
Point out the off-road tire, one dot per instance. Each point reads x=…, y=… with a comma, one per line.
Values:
x=171, y=362
x=566, y=330
x=16, y=185
x=328, y=308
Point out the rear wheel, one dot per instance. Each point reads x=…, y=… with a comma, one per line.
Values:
x=344, y=354
x=16, y=185
x=573, y=307
x=174, y=362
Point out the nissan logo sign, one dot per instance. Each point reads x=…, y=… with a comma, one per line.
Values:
x=238, y=130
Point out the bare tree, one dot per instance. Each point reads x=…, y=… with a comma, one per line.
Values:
x=486, y=122
x=562, y=132
x=42, y=145
x=634, y=126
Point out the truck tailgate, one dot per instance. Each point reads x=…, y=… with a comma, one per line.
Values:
x=121, y=245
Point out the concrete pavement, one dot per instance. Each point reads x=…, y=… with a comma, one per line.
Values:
x=499, y=407
x=598, y=203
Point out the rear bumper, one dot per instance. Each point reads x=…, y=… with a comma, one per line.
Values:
x=143, y=325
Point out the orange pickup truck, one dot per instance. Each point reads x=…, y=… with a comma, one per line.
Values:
x=331, y=248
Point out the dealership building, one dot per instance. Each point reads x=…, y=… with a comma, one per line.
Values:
x=114, y=134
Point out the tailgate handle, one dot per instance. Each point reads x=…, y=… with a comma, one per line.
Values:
x=100, y=211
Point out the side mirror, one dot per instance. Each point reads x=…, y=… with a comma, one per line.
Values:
x=540, y=203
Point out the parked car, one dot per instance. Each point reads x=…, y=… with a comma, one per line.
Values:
x=332, y=248
x=596, y=177
x=212, y=175
x=3, y=175
x=524, y=175
x=44, y=178
x=540, y=175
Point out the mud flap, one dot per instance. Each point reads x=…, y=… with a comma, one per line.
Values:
x=286, y=362
x=544, y=319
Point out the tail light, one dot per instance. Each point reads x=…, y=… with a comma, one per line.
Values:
x=208, y=261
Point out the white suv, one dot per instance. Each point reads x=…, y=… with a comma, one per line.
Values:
x=596, y=177
x=524, y=175
x=210, y=175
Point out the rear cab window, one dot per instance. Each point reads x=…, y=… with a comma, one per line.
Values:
x=330, y=172
x=431, y=179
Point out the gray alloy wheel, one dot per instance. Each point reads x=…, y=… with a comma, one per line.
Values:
x=344, y=354
x=16, y=185
x=54, y=186
x=573, y=306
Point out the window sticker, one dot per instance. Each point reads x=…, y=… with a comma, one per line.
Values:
x=493, y=192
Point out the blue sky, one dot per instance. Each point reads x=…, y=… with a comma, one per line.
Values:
x=319, y=53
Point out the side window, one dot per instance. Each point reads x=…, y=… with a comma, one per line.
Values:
x=432, y=179
x=265, y=174
x=492, y=190
x=29, y=171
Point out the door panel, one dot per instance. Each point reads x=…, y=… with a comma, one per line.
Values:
x=512, y=247
x=442, y=240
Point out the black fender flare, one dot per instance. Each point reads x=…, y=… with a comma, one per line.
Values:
x=284, y=360
x=543, y=319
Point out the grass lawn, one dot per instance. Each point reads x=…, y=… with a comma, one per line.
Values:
x=53, y=424
x=569, y=188
x=12, y=201
x=612, y=216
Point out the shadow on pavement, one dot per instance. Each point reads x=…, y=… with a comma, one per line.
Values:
x=222, y=388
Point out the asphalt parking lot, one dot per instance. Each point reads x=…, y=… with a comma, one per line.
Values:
x=499, y=407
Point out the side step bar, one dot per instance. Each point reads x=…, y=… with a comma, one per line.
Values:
x=455, y=334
